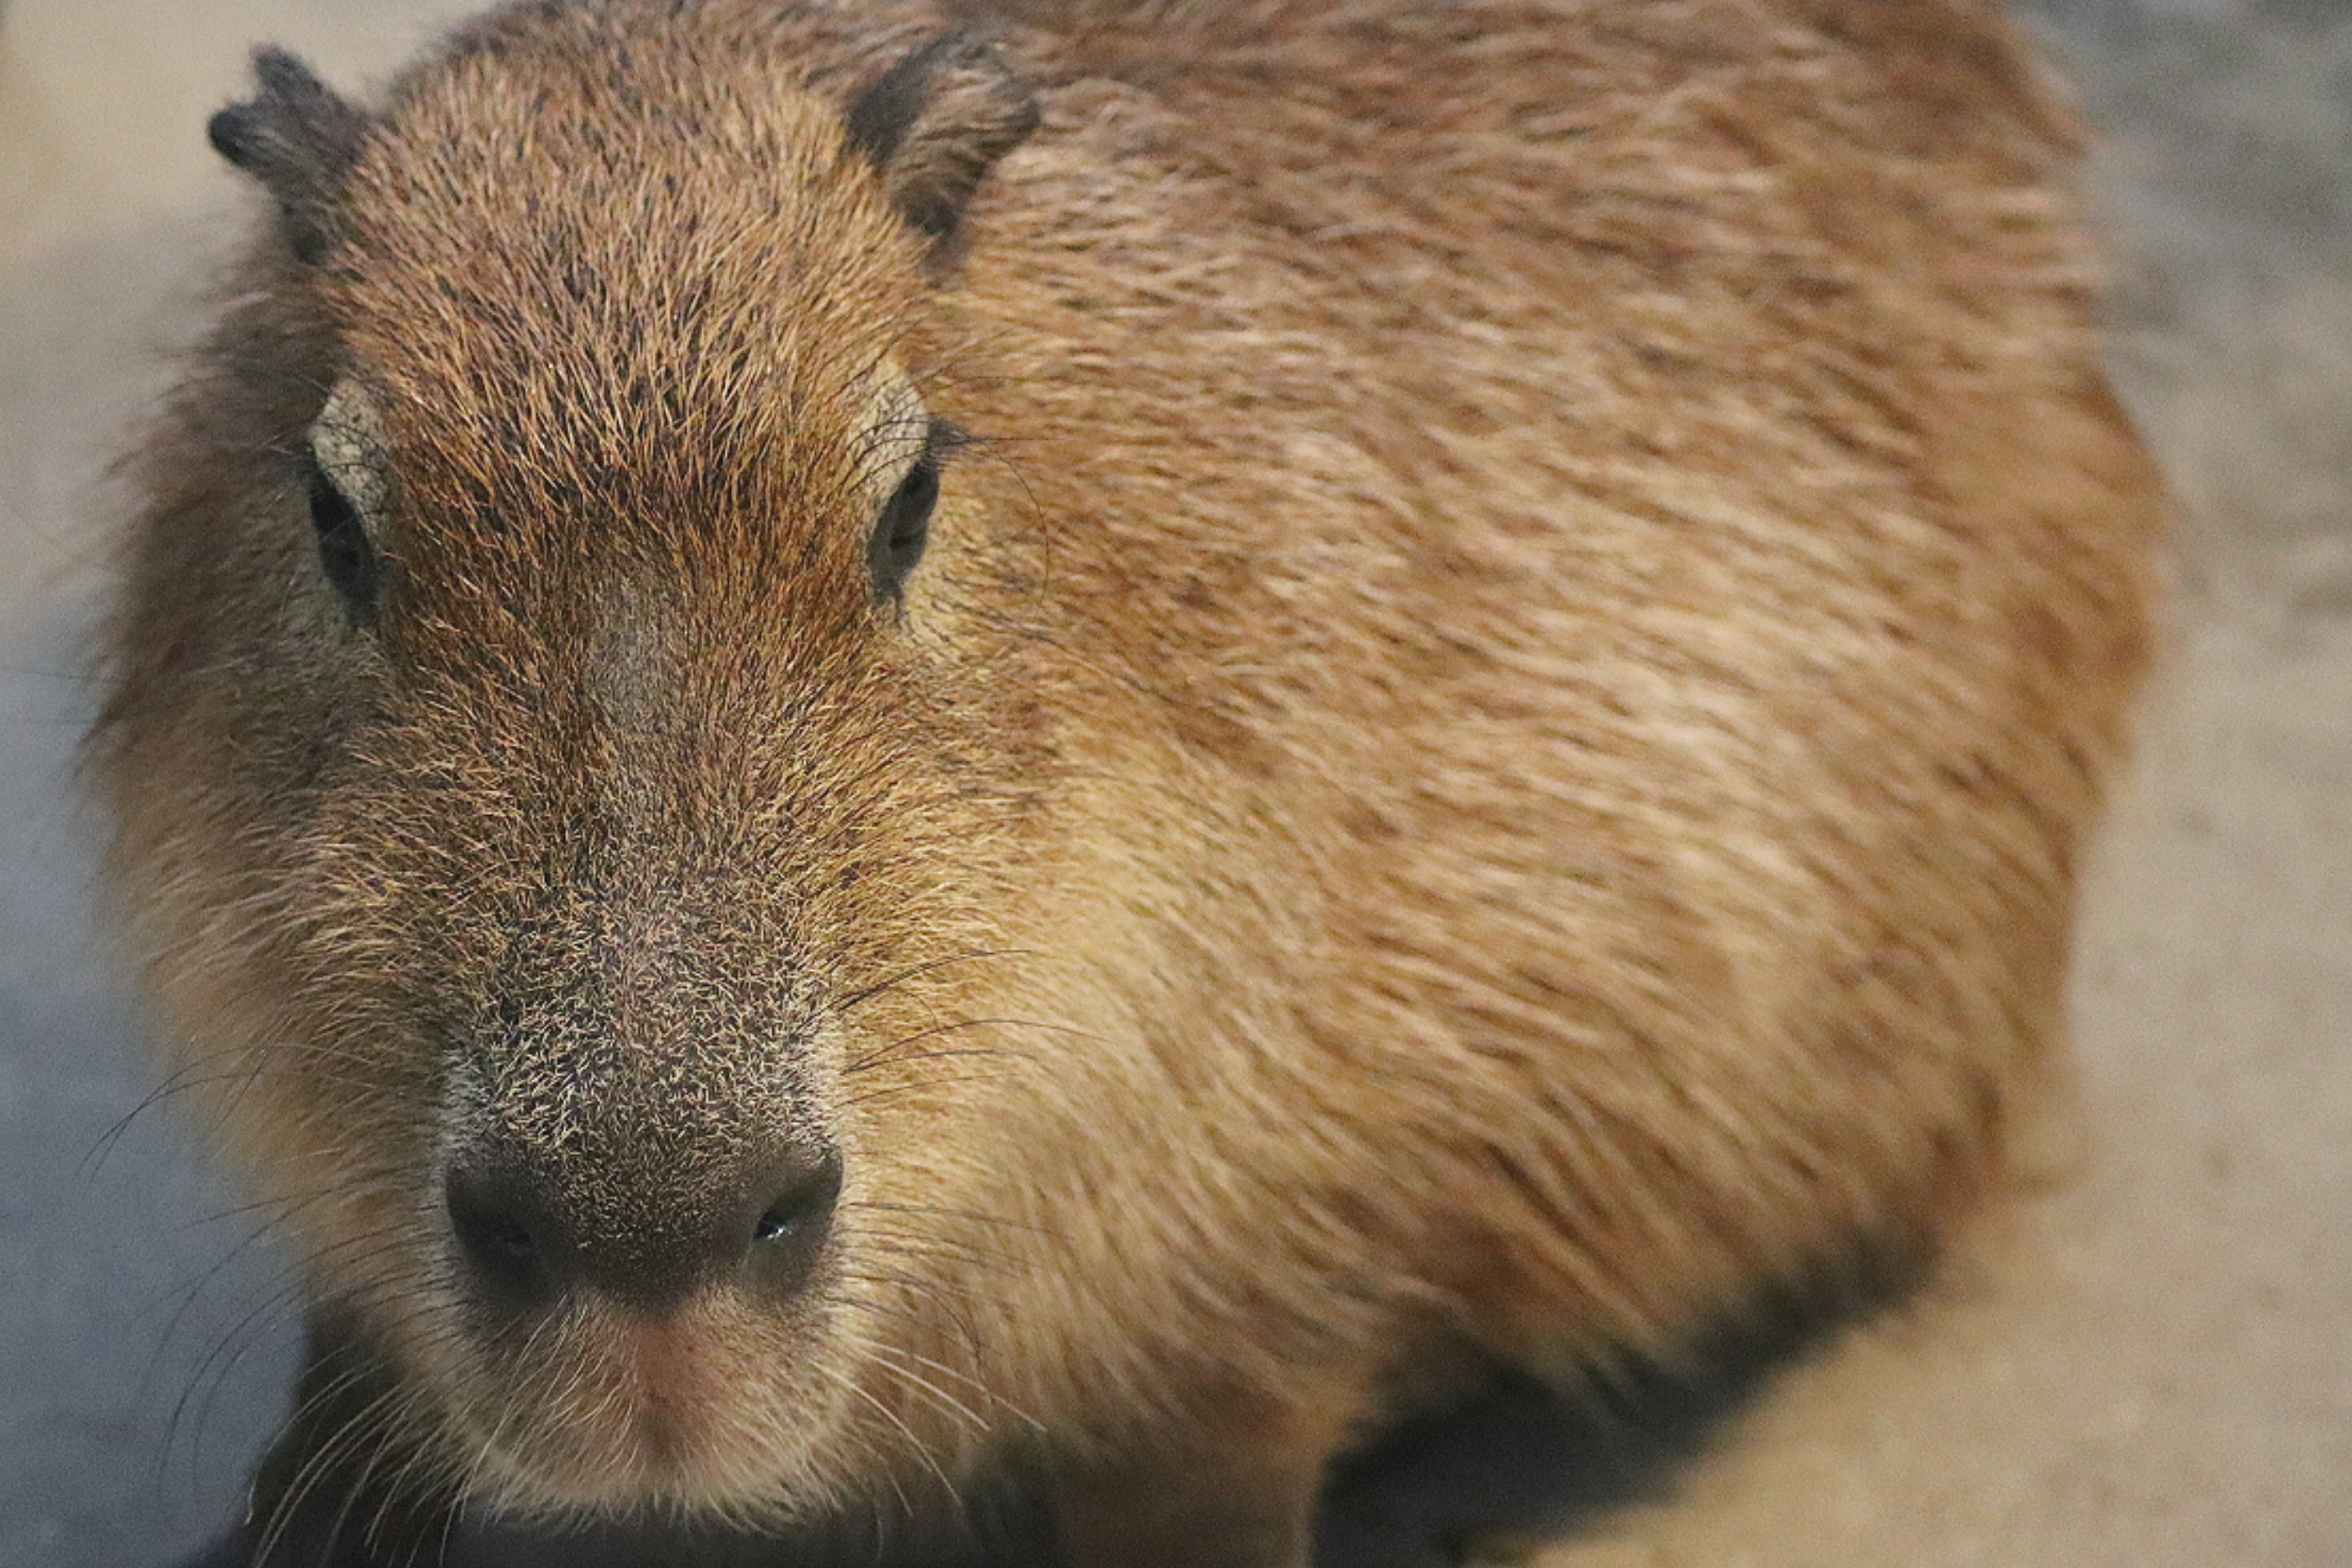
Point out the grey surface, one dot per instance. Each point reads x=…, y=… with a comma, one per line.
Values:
x=2158, y=1369
x=143, y=1346
x=99, y=1255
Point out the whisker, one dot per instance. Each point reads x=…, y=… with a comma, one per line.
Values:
x=858, y=998
x=943, y=1298
x=940, y=1399
x=971, y=1215
x=887, y=1090
x=890, y=1052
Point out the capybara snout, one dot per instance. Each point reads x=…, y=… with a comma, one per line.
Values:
x=529, y=1235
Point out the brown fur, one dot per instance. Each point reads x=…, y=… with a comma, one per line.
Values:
x=1490, y=753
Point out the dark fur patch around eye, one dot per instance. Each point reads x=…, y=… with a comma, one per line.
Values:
x=934, y=124
x=300, y=140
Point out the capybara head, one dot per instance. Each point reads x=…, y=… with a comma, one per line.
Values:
x=614, y=787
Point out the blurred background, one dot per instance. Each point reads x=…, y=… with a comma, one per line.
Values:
x=2152, y=1367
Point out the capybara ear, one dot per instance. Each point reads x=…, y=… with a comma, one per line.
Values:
x=932, y=124
x=299, y=139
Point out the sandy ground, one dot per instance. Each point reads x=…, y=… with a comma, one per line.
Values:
x=2152, y=1367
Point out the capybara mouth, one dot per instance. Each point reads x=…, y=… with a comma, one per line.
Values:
x=613, y=1412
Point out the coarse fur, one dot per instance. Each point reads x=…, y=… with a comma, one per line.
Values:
x=1487, y=760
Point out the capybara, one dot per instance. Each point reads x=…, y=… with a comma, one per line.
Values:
x=859, y=746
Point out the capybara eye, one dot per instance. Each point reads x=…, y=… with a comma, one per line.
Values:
x=904, y=527
x=345, y=553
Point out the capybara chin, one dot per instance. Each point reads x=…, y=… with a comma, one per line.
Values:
x=861, y=748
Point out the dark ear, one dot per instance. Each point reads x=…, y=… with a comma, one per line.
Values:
x=932, y=124
x=300, y=140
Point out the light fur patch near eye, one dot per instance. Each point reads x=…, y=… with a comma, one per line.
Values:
x=898, y=432
x=348, y=442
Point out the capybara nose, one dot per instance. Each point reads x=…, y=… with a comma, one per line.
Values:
x=795, y=1199
x=528, y=1235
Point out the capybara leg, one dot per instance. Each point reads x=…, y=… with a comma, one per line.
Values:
x=1183, y=1521
x=335, y=1491
x=1242, y=1506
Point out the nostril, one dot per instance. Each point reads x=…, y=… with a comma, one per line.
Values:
x=507, y=1238
x=497, y=1230
x=800, y=1202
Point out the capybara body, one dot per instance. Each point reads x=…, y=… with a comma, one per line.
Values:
x=859, y=746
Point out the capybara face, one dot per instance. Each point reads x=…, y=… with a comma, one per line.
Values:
x=631, y=806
